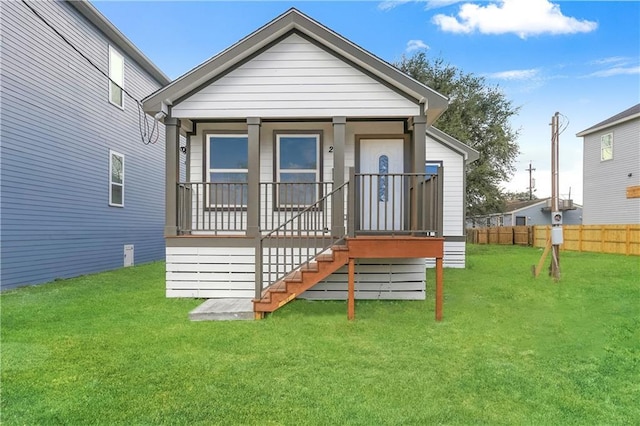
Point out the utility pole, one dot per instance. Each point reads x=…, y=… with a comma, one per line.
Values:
x=556, y=237
x=531, y=184
x=556, y=215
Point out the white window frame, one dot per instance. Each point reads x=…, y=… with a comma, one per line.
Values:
x=210, y=170
x=113, y=153
x=317, y=170
x=603, y=148
x=119, y=80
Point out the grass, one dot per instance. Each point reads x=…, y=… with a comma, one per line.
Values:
x=111, y=349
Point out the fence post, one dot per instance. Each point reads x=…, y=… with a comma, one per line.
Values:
x=628, y=242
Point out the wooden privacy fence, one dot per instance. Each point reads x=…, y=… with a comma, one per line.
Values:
x=620, y=239
x=507, y=235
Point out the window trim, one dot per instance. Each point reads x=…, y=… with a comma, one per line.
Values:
x=115, y=53
x=208, y=170
x=602, y=147
x=111, y=182
x=277, y=171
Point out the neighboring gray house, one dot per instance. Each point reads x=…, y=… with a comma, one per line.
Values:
x=611, y=170
x=529, y=212
x=80, y=191
x=313, y=168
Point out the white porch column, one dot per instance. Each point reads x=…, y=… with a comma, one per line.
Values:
x=172, y=175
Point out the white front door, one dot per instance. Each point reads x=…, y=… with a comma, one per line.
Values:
x=382, y=198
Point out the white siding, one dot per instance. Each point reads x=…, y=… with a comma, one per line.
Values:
x=454, y=196
x=454, y=255
x=605, y=182
x=210, y=272
x=454, y=199
x=295, y=78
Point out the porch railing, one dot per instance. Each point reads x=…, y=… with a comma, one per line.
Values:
x=297, y=241
x=221, y=208
x=397, y=203
x=394, y=203
x=218, y=208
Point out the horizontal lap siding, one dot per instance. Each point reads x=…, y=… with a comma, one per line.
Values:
x=605, y=199
x=210, y=272
x=295, y=78
x=453, y=200
x=454, y=255
x=57, y=129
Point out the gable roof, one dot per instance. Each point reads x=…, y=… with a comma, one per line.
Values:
x=626, y=115
x=92, y=14
x=515, y=206
x=467, y=152
x=295, y=21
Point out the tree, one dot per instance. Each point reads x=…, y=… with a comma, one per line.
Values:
x=478, y=115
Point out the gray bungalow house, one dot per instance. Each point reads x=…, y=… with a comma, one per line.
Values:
x=528, y=212
x=313, y=170
x=80, y=191
x=611, y=170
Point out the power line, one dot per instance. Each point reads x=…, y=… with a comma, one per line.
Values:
x=146, y=134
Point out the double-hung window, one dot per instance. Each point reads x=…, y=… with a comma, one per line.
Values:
x=116, y=76
x=227, y=170
x=606, y=147
x=116, y=179
x=298, y=169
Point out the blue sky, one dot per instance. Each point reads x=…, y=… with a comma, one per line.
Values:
x=580, y=58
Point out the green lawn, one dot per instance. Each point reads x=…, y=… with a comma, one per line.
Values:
x=111, y=349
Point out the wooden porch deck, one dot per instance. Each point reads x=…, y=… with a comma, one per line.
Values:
x=345, y=253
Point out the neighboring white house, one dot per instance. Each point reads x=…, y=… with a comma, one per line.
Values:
x=80, y=192
x=307, y=153
x=528, y=212
x=611, y=170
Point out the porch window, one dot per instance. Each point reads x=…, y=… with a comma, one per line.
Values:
x=606, y=147
x=298, y=169
x=431, y=168
x=116, y=179
x=116, y=75
x=227, y=165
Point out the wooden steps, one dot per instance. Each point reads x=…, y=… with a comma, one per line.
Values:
x=300, y=280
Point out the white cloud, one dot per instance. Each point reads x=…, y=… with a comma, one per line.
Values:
x=435, y=4
x=514, y=74
x=616, y=71
x=522, y=17
x=390, y=4
x=416, y=45
x=610, y=60
x=429, y=4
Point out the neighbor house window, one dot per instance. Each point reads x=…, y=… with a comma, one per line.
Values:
x=227, y=166
x=297, y=169
x=606, y=147
x=116, y=75
x=116, y=179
